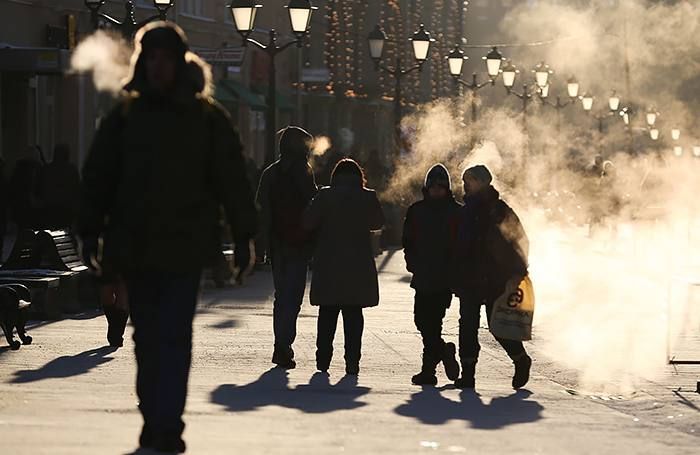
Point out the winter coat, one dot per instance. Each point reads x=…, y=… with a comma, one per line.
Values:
x=342, y=217
x=428, y=229
x=286, y=188
x=490, y=246
x=158, y=172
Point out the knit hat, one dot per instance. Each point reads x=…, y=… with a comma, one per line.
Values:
x=438, y=176
x=480, y=173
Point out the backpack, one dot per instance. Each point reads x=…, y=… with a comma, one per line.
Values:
x=287, y=203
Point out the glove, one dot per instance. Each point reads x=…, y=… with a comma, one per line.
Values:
x=241, y=258
x=89, y=253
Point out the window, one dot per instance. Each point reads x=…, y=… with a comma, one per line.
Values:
x=192, y=7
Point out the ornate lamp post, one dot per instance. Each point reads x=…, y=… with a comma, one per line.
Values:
x=128, y=26
x=244, y=13
x=421, y=42
x=493, y=62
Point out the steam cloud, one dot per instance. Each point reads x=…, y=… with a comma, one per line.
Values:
x=602, y=293
x=106, y=57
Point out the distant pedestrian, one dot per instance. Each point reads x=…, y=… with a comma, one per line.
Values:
x=429, y=226
x=490, y=249
x=26, y=205
x=60, y=189
x=345, y=276
x=286, y=188
x=161, y=165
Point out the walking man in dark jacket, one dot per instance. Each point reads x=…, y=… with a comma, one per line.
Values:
x=162, y=164
x=286, y=188
x=490, y=248
x=428, y=228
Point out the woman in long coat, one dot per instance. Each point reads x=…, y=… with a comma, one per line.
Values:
x=345, y=276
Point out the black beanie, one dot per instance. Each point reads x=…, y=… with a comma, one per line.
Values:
x=480, y=173
x=438, y=176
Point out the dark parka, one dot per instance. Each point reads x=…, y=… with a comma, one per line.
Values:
x=490, y=246
x=287, y=185
x=428, y=231
x=157, y=174
x=342, y=217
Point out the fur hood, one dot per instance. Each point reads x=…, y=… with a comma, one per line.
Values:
x=194, y=75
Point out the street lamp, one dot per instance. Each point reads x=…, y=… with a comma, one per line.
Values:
x=244, y=13
x=651, y=116
x=678, y=150
x=509, y=72
x=542, y=73
x=587, y=101
x=421, y=42
x=696, y=151
x=675, y=134
x=572, y=87
x=128, y=26
x=625, y=113
x=654, y=134
x=455, y=60
x=494, y=59
x=614, y=101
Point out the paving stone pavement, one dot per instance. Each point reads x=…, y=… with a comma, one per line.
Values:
x=66, y=394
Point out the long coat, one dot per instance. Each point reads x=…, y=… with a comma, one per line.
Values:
x=342, y=217
x=159, y=170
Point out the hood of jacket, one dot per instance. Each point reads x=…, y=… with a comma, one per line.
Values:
x=193, y=75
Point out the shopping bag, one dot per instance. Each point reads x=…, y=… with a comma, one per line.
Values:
x=511, y=317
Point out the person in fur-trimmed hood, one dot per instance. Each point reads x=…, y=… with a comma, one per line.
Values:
x=161, y=165
x=490, y=248
x=427, y=231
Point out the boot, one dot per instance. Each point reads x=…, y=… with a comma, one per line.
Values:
x=424, y=378
x=467, y=381
x=522, y=371
x=449, y=361
x=116, y=325
x=283, y=357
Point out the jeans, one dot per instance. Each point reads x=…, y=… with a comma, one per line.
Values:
x=428, y=312
x=469, y=316
x=162, y=307
x=353, y=326
x=289, y=276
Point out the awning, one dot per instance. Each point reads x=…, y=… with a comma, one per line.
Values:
x=34, y=59
x=228, y=90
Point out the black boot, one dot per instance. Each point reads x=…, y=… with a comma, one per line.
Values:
x=283, y=357
x=449, y=361
x=116, y=325
x=424, y=378
x=467, y=381
x=522, y=371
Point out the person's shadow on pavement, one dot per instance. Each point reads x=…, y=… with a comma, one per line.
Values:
x=272, y=389
x=66, y=366
x=431, y=408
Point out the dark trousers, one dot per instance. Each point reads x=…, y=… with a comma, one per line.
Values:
x=289, y=276
x=162, y=308
x=428, y=312
x=469, y=319
x=353, y=325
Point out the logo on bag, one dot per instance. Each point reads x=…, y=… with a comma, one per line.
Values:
x=516, y=298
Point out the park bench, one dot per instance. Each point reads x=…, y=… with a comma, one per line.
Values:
x=15, y=300
x=48, y=263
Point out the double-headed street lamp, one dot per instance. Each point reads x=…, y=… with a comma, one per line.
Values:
x=542, y=74
x=421, y=42
x=244, y=13
x=128, y=26
x=456, y=59
x=613, y=106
